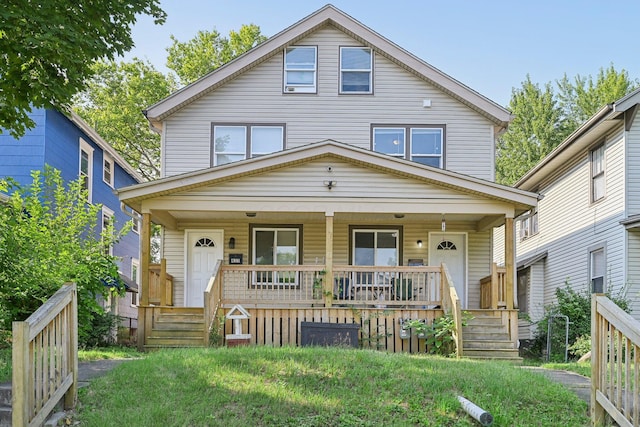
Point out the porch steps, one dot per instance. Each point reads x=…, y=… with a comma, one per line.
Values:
x=486, y=337
x=174, y=329
x=5, y=405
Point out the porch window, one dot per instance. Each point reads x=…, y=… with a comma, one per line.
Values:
x=597, y=262
x=597, y=174
x=300, y=69
x=374, y=248
x=232, y=143
x=422, y=144
x=276, y=246
x=356, y=64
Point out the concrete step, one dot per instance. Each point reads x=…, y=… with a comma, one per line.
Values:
x=5, y=417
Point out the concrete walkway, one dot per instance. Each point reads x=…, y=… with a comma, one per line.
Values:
x=577, y=383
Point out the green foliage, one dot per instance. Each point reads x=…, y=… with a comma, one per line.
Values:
x=112, y=105
x=47, y=48
x=576, y=305
x=209, y=50
x=544, y=118
x=438, y=335
x=581, y=346
x=48, y=237
x=103, y=324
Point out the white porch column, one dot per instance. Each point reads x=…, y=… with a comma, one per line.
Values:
x=328, y=277
x=509, y=261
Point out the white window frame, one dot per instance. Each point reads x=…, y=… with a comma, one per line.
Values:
x=85, y=147
x=595, y=275
x=135, y=276
x=108, y=160
x=356, y=70
x=248, y=129
x=597, y=167
x=529, y=225
x=107, y=217
x=364, y=279
x=407, y=150
x=300, y=87
x=276, y=278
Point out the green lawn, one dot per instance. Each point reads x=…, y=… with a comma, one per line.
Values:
x=260, y=386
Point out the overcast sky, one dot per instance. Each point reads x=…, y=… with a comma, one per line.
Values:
x=489, y=45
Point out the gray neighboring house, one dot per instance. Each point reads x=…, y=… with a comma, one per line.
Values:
x=586, y=228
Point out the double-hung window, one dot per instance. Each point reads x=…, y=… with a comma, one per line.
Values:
x=422, y=144
x=597, y=262
x=107, y=229
x=356, y=65
x=300, y=64
x=529, y=225
x=238, y=142
x=597, y=173
x=107, y=170
x=86, y=167
x=276, y=246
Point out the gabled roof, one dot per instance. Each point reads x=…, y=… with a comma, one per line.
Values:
x=328, y=15
x=134, y=195
x=581, y=139
x=104, y=145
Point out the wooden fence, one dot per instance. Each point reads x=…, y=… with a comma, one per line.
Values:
x=45, y=359
x=615, y=364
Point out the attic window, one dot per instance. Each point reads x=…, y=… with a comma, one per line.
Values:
x=300, y=69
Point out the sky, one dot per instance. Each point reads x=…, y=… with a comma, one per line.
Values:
x=489, y=45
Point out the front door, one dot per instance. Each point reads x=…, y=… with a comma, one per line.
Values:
x=204, y=249
x=450, y=248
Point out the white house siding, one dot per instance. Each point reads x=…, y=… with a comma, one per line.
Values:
x=569, y=224
x=479, y=265
x=632, y=166
x=498, y=245
x=256, y=97
x=173, y=252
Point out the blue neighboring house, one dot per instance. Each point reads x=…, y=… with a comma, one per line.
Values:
x=69, y=144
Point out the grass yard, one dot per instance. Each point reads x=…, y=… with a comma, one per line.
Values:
x=261, y=386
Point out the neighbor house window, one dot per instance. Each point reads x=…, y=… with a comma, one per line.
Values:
x=86, y=167
x=232, y=143
x=523, y=289
x=422, y=144
x=529, y=225
x=276, y=246
x=300, y=69
x=356, y=64
x=107, y=170
x=107, y=227
x=135, y=222
x=597, y=174
x=135, y=276
x=597, y=262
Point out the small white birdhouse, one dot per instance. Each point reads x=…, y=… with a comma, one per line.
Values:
x=238, y=314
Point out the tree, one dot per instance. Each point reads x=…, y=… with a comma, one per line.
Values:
x=47, y=48
x=113, y=103
x=532, y=134
x=209, y=50
x=48, y=236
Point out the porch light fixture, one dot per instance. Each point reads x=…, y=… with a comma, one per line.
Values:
x=330, y=184
x=250, y=214
x=444, y=224
x=398, y=216
x=419, y=242
x=232, y=243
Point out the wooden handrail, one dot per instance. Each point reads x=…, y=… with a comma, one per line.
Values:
x=160, y=284
x=212, y=298
x=45, y=359
x=493, y=289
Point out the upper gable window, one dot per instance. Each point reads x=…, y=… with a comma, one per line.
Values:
x=107, y=170
x=420, y=144
x=300, y=64
x=86, y=167
x=238, y=142
x=356, y=64
x=597, y=174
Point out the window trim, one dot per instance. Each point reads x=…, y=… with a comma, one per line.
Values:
x=601, y=175
x=529, y=225
x=376, y=228
x=271, y=284
x=248, y=132
x=600, y=247
x=107, y=213
x=341, y=91
x=106, y=159
x=299, y=88
x=87, y=148
x=408, y=139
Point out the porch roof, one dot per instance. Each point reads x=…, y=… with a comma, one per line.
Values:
x=457, y=183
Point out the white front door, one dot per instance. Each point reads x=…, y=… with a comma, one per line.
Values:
x=450, y=248
x=204, y=249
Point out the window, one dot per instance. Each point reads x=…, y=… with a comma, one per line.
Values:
x=375, y=247
x=86, y=167
x=276, y=246
x=107, y=170
x=529, y=225
x=135, y=223
x=135, y=276
x=523, y=289
x=597, y=262
x=300, y=69
x=597, y=174
x=107, y=227
x=422, y=144
x=355, y=70
x=238, y=142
